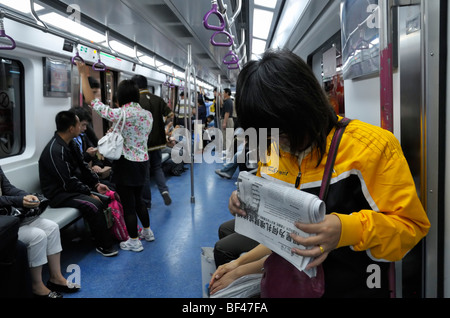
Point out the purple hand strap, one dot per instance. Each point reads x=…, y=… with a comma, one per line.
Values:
x=213, y=41
x=216, y=12
x=77, y=57
x=13, y=43
x=234, y=58
x=99, y=66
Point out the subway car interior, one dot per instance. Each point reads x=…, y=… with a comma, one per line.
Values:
x=383, y=62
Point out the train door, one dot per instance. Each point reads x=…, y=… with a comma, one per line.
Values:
x=408, y=30
x=419, y=30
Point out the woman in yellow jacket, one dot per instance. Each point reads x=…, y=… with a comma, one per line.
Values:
x=374, y=215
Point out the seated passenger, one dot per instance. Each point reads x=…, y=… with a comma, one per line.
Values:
x=99, y=164
x=67, y=180
x=231, y=244
x=42, y=238
x=374, y=215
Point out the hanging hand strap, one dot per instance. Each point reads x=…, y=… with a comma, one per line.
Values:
x=332, y=158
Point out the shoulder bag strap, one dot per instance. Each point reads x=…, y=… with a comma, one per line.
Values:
x=122, y=119
x=331, y=158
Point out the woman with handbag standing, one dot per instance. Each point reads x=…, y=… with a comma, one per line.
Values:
x=374, y=215
x=130, y=171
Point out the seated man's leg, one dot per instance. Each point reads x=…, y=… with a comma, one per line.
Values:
x=92, y=211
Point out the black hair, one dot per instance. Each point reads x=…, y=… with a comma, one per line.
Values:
x=127, y=92
x=201, y=101
x=228, y=91
x=141, y=81
x=281, y=91
x=93, y=82
x=64, y=120
x=82, y=113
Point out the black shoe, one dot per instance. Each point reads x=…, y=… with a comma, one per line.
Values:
x=223, y=174
x=69, y=288
x=52, y=294
x=166, y=197
x=107, y=252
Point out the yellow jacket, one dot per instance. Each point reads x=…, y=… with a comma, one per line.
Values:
x=371, y=191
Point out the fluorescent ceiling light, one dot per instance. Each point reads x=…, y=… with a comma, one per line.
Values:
x=158, y=63
x=266, y=3
x=121, y=48
x=166, y=68
x=292, y=12
x=22, y=6
x=147, y=60
x=70, y=26
x=262, y=20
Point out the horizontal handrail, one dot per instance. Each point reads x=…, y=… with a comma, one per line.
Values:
x=231, y=21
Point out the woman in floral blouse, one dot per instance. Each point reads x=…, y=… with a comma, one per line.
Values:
x=131, y=170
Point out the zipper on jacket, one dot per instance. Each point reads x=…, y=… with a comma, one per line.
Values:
x=299, y=177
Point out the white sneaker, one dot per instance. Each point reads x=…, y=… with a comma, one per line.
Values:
x=131, y=245
x=147, y=234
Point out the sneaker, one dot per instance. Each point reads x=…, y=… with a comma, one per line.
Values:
x=107, y=252
x=223, y=174
x=147, y=234
x=131, y=245
x=166, y=197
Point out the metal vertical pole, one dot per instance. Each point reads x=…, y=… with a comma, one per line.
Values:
x=188, y=121
x=386, y=66
x=218, y=102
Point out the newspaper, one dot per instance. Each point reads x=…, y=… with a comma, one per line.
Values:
x=272, y=209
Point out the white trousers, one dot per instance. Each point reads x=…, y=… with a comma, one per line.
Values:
x=42, y=238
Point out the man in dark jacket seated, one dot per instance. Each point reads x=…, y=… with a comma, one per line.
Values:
x=67, y=181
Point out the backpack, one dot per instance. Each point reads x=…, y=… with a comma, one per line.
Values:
x=119, y=228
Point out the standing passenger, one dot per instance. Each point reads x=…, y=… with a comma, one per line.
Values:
x=132, y=169
x=157, y=140
x=226, y=114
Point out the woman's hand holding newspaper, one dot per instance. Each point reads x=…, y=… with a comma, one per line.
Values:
x=326, y=239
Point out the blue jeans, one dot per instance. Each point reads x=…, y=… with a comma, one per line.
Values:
x=230, y=168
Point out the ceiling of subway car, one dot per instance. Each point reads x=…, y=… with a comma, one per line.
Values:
x=166, y=28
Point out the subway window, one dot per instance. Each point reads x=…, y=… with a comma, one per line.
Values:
x=12, y=109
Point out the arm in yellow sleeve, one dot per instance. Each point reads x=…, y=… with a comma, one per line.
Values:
x=398, y=222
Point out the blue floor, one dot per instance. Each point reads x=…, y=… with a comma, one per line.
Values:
x=169, y=267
